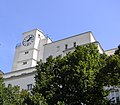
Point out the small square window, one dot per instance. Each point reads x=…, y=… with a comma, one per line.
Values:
x=26, y=52
x=58, y=46
x=38, y=35
x=24, y=63
x=29, y=87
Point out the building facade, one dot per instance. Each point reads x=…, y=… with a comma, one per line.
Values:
x=35, y=46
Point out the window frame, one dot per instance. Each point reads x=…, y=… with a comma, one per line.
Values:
x=25, y=62
x=29, y=86
x=66, y=46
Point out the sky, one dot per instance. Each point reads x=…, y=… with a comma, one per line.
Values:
x=58, y=19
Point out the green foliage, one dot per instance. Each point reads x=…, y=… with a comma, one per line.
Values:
x=9, y=95
x=110, y=74
x=29, y=99
x=72, y=79
x=13, y=96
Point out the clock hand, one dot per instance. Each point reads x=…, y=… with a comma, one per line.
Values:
x=29, y=39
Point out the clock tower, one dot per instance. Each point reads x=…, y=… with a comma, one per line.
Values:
x=30, y=50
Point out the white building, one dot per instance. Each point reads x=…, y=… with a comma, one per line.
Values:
x=35, y=46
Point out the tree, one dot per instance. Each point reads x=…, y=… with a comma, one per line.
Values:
x=9, y=95
x=71, y=80
x=109, y=75
x=111, y=72
x=29, y=99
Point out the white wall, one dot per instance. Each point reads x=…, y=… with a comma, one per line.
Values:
x=16, y=56
x=21, y=77
x=58, y=47
x=110, y=52
x=22, y=80
x=35, y=51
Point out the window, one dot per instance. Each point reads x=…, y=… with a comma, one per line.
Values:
x=38, y=35
x=24, y=63
x=66, y=46
x=26, y=52
x=117, y=93
x=58, y=48
x=112, y=93
x=117, y=99
x=29, y=87
x=74, y=44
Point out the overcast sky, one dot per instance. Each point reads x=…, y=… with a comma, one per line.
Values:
x=58, y=19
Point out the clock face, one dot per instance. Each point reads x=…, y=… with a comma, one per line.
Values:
x=28, y=40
